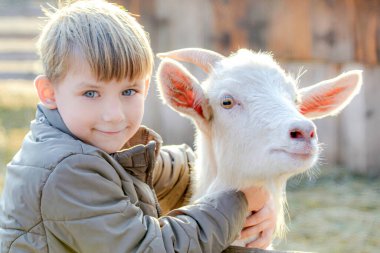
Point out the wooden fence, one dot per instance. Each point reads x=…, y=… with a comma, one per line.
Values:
x=324, y=37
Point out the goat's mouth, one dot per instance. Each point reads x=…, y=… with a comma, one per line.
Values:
x=297, y=155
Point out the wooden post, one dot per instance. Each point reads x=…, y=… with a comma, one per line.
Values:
x=230, y=33
x=332, y=30
x=352, y=131
x=235, y=249
x=289, y=35
x=367, y=31
x=175, y=24
x=371, y=95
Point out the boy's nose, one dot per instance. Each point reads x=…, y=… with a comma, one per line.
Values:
x=113, y=112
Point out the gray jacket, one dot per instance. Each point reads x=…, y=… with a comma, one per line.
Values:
x=62, y=195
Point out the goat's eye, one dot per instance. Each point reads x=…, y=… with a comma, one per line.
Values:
x=297, y=100
x=227, y=102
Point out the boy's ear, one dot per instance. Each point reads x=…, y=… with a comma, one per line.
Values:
x=45, y=91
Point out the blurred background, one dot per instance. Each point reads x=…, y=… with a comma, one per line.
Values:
x=337, y=208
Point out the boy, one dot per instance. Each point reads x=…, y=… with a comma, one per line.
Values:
x=87, y=175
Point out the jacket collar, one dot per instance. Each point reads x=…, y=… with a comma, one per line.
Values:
x=52, y=118
x=138, y=161
x=139, y=154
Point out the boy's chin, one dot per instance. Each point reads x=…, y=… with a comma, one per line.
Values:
x=108, y=148
x=111, y=150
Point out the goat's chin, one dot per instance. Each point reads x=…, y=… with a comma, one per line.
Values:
x=292, y=163
x=280, y=167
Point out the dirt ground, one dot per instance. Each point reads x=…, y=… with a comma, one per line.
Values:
x=336, y=211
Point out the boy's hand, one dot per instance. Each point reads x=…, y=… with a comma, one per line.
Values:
x=256, y=197
x=262, y=223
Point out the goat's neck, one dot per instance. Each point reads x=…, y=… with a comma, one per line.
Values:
x=206, y=178
x=206, y=167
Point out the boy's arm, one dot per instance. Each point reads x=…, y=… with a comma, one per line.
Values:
x=84, y=209
x=173, y=176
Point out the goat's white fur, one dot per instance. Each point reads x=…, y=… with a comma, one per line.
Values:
x=248, y=144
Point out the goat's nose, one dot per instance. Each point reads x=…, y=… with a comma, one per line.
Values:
x=302, y=130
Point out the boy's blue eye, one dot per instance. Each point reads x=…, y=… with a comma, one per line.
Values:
x=129, y=92
x=91, y=94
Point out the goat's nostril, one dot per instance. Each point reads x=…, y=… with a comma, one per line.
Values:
x=296, y=134
x=300, y=134
x=302, y=130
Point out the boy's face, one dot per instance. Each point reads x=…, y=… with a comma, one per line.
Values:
x=103, y=114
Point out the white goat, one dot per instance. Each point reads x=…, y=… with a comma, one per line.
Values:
x=253, y=124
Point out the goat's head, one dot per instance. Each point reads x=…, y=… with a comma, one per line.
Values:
x=251, y=109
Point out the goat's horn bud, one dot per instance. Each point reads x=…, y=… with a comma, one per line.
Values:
x=205, y=59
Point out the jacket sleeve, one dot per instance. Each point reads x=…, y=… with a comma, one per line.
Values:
x=84, y=209
x=172, y=177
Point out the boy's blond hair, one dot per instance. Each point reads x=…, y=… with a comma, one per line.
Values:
x=103, y=34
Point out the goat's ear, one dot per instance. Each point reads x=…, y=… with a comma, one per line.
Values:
x=330, y=96
x=182, y=92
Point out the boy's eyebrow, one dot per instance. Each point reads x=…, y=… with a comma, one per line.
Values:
x=135, y=84
x=88, y=85
x=97, y=85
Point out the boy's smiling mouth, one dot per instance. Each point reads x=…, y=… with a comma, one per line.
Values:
x=110, y=132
